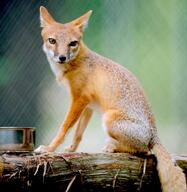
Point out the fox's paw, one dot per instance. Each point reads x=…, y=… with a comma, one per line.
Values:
x=69, y=149
x=110, y=148
x=42, y=149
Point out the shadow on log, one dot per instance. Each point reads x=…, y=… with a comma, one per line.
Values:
x=80, y=172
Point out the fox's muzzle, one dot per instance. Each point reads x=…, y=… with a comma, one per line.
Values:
x=62, y=59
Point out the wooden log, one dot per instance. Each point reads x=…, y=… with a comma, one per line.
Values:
x=80, y=172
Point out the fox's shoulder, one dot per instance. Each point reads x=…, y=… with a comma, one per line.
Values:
x=102, y=63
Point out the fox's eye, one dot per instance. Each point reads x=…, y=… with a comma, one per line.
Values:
x=52, y=41
x=73, y=43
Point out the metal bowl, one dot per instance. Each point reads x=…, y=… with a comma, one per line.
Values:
x=17, y=138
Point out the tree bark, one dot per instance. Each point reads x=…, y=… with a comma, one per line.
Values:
x=80, y=172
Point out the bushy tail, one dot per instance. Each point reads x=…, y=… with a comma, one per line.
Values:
x=171, y=177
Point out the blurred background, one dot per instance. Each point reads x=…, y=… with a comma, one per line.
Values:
x=147, y=37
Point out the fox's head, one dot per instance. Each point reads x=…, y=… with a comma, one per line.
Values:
x=62, y=41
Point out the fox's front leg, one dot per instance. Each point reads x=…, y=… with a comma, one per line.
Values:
x=76, y=108
x=83, y=122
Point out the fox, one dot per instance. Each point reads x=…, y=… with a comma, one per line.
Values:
x=96, y=82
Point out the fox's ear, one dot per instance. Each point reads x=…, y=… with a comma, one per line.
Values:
x=82, y=21
x=45, y=17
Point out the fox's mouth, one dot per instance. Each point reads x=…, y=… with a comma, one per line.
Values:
x=62, y=62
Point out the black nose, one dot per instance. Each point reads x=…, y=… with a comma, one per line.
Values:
x=62, y=58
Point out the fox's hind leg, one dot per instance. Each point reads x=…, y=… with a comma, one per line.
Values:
x=128, y=135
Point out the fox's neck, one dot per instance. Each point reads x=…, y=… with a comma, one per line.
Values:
x=83, y=52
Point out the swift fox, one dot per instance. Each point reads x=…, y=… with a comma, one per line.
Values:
x=97, y=82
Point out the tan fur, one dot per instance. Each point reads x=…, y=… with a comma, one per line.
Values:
x=172, y=178
x=95, y=81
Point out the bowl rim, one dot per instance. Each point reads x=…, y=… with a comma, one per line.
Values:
x=8, y=128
